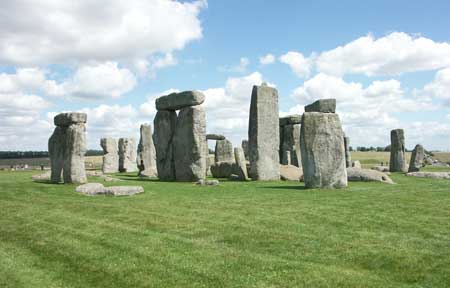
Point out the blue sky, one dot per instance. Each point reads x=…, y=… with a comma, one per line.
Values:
x=386, y=62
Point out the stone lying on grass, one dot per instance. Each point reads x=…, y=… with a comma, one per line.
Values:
x=203, y=182
x=94, y=173
x=291, y=173
x=92, y=189
x=384, y=169
x=434, y=175
x=367, y=175
x=44, y=176
x=110, y=179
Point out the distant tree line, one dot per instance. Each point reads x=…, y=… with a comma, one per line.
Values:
x=371, y=148
x=38, y=154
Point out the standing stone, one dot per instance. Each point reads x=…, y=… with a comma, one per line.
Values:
x=397, y=160
x=146, y=154
x=127, y=155
x=223, y=151
x=110, y=156
x=348, y=157
x=189, y=143
x=244, y=146
x=290, y=142
x=241, y=165
x=263, y=134
x=417, y=157
x=67, y=147
x=323, y=152
x=164, y=123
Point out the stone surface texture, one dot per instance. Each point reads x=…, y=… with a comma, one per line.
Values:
x=241, y=164
x=110, y=155
x=164, y=123
x=433, y=175
x=356, y=164
x=215, y=137
x=322, y=106
x=92, y=189
x=263, y=134
x=365, y=175
x=417, y=159
x=146, y=154
x=177, y=101
x=291, y=173
x=397, y=161
x=223, y=151
x=67, y=147
x=127, y=155
x=322, y=150
x=291, y=120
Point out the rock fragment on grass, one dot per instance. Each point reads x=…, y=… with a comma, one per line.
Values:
x=92, y=189
x=433, y=175
x=367, y=175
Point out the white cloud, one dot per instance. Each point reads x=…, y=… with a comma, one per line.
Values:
x=96, y=81
x=300, y=65
x=393, y=54
x=440, y=87
x=62, y=32
x=267, y=59
x=239, y=68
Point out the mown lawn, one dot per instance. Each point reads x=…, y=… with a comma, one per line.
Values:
x=256, y=234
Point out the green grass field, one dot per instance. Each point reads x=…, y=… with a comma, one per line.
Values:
x=254, y=234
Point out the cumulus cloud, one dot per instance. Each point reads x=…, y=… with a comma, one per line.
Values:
x=62, y=32
x=238, y=68
x=392, y=54
x=440, y=86
x=267, y=59
x=300, y=65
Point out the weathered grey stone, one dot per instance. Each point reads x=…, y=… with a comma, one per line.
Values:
x=189, y=144
x=244, y=146
x=322, y=149
x=215, y=137
x=91, y=189
x=92, y=173
x=397, y=160
x=123, y=190
x=223, y=169
x=67, y=119
x=263, y=134
x=224, y=151
x=110, y=156
x=67, y=147
x=203, y=182
x=417, y=157
x=209, y=161
x=322, y=105
x=165, y=123
x=356, y=164
x=43, y=176
x=348, y=156
x=241, y=165
x=380, y=168
x=433, y=175
x=290, y=142
x=127, y=155
x=176, y=101
x=290, y=173
x=146, y=154
x=291, y=120
x=364, y=175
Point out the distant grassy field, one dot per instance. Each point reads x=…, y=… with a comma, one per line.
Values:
x=253, y=234
x=92, y=162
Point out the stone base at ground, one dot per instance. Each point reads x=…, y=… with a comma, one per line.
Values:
x=92, y=189
x=367, y=175
x=223, y=169
x=433, y=175
x=291, y=173
x=44, y=176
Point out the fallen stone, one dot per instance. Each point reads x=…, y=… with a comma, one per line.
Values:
x=322, y=149
x=263, y=134
x=290, y=120
x=215, y=137
x=91, y=189
x=380, y=168
x=367, y=175
x=94, y=173
x=177, y=101
x=356, y=164
x=290, y=173
x=123, y=190
x=322, y=105
x=417, y=157
x=203, y=182
x=43, y=176
x=433, y=175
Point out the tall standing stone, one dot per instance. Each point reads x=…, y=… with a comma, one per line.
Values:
x=223, y=151
x=189, y=143
x=146, y=154
x=397, y=160
x=417, y=157
x=322, y=149
x=67, y=147
x=127, y=155
x=110, y=156
x=263, y=134
x=165, y=122
x=348, y=157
